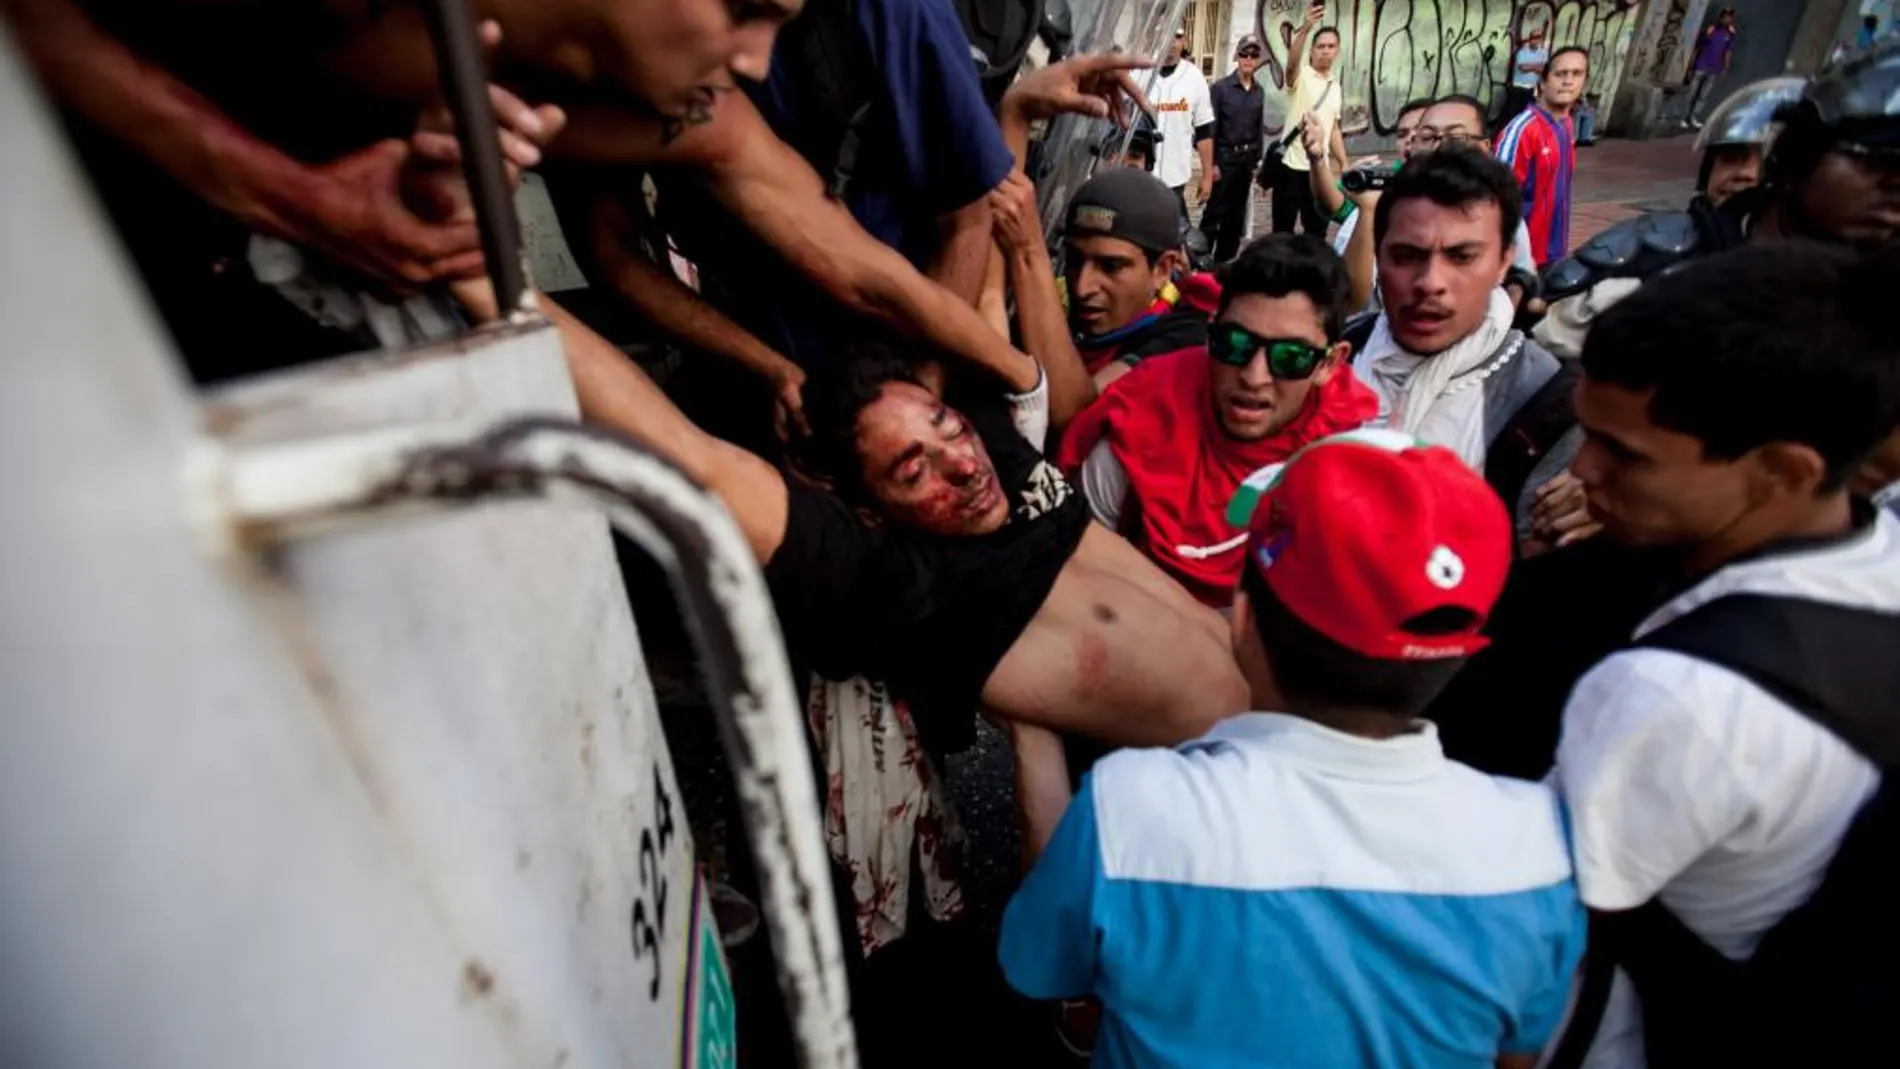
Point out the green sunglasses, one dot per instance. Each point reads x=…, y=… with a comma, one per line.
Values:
x=1286, y=359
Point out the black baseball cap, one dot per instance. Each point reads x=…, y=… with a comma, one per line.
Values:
x=1129, y=204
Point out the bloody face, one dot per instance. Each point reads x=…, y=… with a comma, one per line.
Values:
x=1111, y=281
x=1732, y=168
x=1854, y=196
x=1648, y=485
x=1438, y=266
x=926, y=466
x=1248, y=401
x=678, y=56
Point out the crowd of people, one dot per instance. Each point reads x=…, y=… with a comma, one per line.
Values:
x=1431, y=647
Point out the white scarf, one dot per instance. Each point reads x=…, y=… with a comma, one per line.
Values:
x=1436, y=398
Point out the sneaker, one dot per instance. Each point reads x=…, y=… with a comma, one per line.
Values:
x=1695, y=124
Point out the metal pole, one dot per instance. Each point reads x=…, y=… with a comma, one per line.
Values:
x=464, y=78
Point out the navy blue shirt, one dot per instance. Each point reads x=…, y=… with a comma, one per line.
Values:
x=947, y=153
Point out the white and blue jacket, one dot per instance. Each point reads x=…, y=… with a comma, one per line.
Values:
x=1282, y=894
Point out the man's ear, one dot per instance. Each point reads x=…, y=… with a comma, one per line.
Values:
x=1334, y=363
x=1791, y=469
x=1172, y=263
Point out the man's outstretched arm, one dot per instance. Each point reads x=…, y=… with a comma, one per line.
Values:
x=615, y=393
x=675, y=308
x=771, y=188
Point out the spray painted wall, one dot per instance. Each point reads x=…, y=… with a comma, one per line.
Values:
x=1392, y=51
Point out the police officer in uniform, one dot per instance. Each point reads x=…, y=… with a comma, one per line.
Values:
x=1832, y=174
x=1238, y=104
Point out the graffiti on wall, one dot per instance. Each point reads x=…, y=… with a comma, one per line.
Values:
x=1669, y=40
x=1393, y=51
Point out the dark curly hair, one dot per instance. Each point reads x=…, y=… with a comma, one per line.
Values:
x=835, y=395
x=1281, y=264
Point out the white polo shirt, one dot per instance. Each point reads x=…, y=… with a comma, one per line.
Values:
x=1687, y=781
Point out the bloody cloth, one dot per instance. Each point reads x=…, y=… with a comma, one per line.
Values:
x=1176, y=321
x=1182, y=468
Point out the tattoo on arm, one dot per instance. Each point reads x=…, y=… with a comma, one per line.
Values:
x=697, y=113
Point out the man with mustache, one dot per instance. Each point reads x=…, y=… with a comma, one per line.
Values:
x=1162, y=451
x=1443, y=356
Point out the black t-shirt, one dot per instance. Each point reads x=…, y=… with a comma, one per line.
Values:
x=931, y=616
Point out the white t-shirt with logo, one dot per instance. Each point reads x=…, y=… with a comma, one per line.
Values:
x=1181, y=103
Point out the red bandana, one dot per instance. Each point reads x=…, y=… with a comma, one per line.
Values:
x=1183, y=469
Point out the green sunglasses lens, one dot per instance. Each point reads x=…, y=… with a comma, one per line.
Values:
x=1292, y=360
x=1235, y=346
x=1231, y=346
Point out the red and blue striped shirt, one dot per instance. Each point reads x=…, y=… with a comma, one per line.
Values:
x=1540, y=150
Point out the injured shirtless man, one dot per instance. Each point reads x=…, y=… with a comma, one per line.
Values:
x=955, y=564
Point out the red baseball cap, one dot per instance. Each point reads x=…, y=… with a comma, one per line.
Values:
x=1361, y=532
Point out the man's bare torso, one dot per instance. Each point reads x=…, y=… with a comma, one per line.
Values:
x=1119, y=652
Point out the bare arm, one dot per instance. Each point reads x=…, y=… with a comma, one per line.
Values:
x=1362, y=252
x=615, y=393
x=351, y=209
x=672, y=306
x=777, y=194
x=1045, y=330
x=1296, y=54
x=963, y=250
x=1042, y=786
x=1323, y=176
x=1338, y=147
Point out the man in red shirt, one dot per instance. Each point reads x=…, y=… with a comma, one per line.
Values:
x=1162, y=451
x=1540, y=148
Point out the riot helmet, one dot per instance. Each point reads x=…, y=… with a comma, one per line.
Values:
x=1835, y=162
x=1736, y=135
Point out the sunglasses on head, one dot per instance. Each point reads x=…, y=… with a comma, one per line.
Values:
x=1287, y=358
